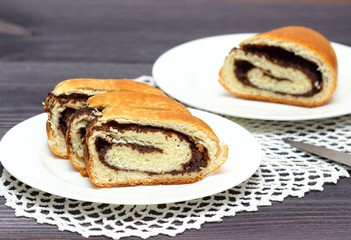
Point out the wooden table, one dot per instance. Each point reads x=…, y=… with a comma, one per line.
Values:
x=43, y=42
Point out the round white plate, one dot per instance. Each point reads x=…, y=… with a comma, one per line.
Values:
x=189, y=73
x=25, y=154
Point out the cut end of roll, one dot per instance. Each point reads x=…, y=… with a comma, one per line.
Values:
x=290, y=65
x=70, y=95
x=129, y=146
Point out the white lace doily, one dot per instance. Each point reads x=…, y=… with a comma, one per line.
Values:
x=284, y=172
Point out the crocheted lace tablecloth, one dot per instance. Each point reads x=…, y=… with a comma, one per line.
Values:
x=284, y=171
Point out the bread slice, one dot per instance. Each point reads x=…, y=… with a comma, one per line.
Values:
x=132, y=146
x=290, y=65
x=95, y=104
x=72, y=94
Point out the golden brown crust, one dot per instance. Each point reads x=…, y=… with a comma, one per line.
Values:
x=149, y=182
x=71, y=85
x=306, y=37
x=136, y=100
x=83, y=172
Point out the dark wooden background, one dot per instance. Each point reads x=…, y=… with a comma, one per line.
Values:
x=44, y=41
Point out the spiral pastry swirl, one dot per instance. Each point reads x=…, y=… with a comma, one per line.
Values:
x=290, y=65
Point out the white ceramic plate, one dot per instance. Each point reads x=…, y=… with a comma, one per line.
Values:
x=25, y=154
x=189, y=73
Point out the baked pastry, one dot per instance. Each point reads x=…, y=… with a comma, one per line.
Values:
x=290, y=65
x=136, y=100
x=132, y=146
x=72, y=94
x=95, y=104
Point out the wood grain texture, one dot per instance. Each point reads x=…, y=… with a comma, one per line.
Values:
x=139, y=31
x=106, y=39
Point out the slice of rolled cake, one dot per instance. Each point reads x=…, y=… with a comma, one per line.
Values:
x=131, y=146
x=79, y=120
x=72, y=94
x=290, y=65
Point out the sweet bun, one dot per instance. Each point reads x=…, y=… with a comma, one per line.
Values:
x=290, y=65
x=132, y=146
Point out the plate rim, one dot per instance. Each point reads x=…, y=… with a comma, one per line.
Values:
x=161, y=83
x=4, y=153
